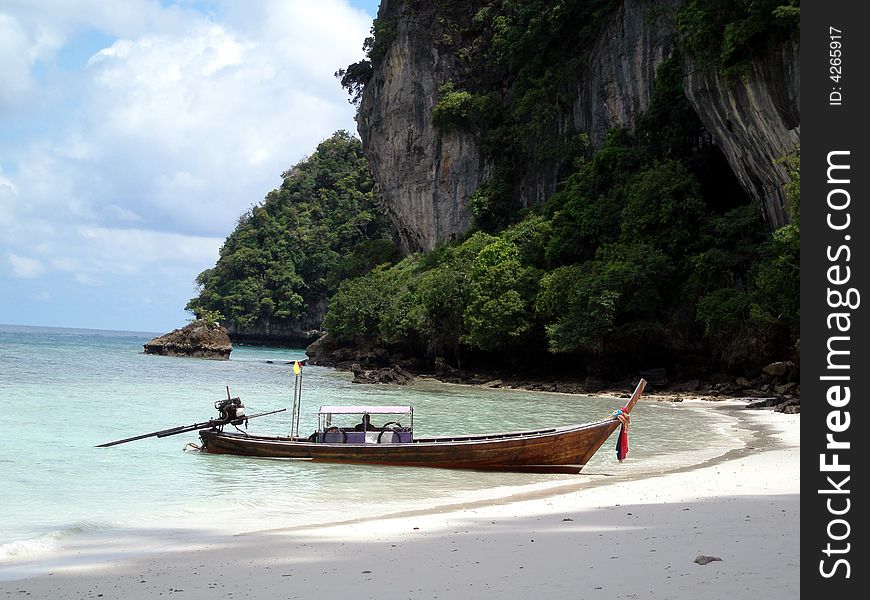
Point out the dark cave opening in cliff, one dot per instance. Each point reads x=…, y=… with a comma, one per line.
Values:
x=720, y=187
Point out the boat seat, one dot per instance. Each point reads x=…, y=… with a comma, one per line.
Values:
x=389, y=437
x=386, y=437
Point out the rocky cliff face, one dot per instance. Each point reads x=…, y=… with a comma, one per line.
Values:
x=298, y=333
x=617, y=84
x=426, y=178
x=755, y=120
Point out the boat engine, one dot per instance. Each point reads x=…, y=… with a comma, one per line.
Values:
x=231, y=410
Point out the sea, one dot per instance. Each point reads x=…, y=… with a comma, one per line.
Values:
x=64, y=501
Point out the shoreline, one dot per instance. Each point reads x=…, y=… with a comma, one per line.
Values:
x=578, y=515
x=779, y=388
x=779, y=379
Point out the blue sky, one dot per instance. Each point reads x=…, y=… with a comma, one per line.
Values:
x=133, y=135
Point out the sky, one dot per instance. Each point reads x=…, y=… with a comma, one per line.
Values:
x=134, y=134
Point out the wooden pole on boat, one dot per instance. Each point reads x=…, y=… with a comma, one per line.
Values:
x=622, y=415
x=187, y=428
x=297, y=389
x=293, y=410
x=297, y=369
x=635, y=396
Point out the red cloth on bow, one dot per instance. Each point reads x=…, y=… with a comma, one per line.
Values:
x=622, y=443
x=622, y=439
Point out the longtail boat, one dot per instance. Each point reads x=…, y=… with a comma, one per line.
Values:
x=563, y=449
x=558, y=449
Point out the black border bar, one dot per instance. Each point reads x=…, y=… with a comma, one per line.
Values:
x=835, y=227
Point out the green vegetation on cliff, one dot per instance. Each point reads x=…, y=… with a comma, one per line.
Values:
x=648, y=250
x=725, y=34
x=521, y=62
x=288, y=254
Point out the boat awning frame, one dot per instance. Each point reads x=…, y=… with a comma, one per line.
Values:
x=362, y=410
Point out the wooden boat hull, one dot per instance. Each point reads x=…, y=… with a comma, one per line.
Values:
x=562, y=449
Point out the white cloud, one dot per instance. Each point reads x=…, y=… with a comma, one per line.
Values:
x=116, y=213
x=103, y=252
x=8, y=196
x=15, y=62
x=54, y=22
x=6, y=185
x=34, y=32
x=24, y=266
x=148, y=246
x=93, y=255
x=175, y=122
x=191, y=125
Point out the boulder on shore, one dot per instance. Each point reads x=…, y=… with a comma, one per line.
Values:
x=198, y=340
x=395, y=375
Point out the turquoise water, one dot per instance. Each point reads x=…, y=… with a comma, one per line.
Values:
x=66, y=390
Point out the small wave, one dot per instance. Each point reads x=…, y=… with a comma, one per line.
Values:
x=24, y=549
x=46, y=543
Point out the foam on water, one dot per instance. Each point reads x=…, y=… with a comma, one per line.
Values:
x=48, y=543
x=25, y=549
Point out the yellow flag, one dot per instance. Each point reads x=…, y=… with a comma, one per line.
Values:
x=296, y=367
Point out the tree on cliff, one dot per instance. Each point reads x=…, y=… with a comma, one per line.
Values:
x=288, y=253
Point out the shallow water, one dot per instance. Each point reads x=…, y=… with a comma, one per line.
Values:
x=66, y=390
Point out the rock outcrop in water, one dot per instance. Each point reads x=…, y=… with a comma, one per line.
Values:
x=198, y=340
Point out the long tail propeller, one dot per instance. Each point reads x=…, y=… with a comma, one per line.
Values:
x=230, y=420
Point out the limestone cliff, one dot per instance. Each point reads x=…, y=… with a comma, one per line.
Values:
x=426, y=177
x=297, y=333
x=755, y=120
x=617, y=84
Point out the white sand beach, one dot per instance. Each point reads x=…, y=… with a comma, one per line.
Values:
x=621, y=539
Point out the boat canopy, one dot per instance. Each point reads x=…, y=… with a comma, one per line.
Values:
x=370, y=410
